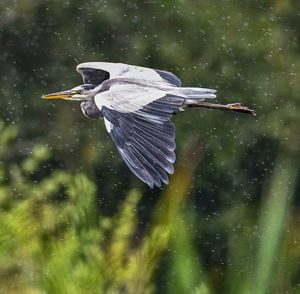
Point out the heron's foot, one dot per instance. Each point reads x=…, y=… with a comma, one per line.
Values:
x=234, y=105
x=240, y=108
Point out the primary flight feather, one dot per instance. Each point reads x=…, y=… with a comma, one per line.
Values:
x=137, y=104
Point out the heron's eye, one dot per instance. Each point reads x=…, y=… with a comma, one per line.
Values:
x=79, y=91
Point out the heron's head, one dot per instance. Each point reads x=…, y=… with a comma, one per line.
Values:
x=82, y=92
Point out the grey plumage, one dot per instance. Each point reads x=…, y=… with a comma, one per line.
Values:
x=137, y=104
x=90, y=109
x=92, y=75
x=168, y=76
x=146, y=138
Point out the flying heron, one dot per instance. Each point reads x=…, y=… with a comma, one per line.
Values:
x=137, y=104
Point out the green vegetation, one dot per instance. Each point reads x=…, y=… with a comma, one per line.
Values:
x=73, y=219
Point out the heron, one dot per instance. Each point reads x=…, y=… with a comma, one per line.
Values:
x=137, y=104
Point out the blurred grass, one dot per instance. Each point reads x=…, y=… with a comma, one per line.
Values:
x=186, y=273
x=273, y=224
x=53, y=239
x=68, y=248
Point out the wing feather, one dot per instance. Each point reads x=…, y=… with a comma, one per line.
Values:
x=170, y=77
x=145, y=138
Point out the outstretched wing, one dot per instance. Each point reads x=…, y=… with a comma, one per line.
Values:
x=97, y=72
x=145, y=136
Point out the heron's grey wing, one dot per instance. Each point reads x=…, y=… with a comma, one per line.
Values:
x=91, y=75
x=145, y=138
x=121, y=70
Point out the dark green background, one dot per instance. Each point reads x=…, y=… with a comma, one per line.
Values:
x=74, y=219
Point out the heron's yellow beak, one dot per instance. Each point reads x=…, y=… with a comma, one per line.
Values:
x=68, y=95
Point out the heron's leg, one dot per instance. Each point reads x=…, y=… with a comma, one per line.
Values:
x=189, y=103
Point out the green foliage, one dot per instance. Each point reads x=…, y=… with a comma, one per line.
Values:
x=53, y=239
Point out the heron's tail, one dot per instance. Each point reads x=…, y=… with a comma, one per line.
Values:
x=194, y=93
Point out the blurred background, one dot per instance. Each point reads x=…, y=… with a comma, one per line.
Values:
x=73, y=219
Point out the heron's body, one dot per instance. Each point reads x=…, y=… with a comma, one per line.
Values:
x=137, y=104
